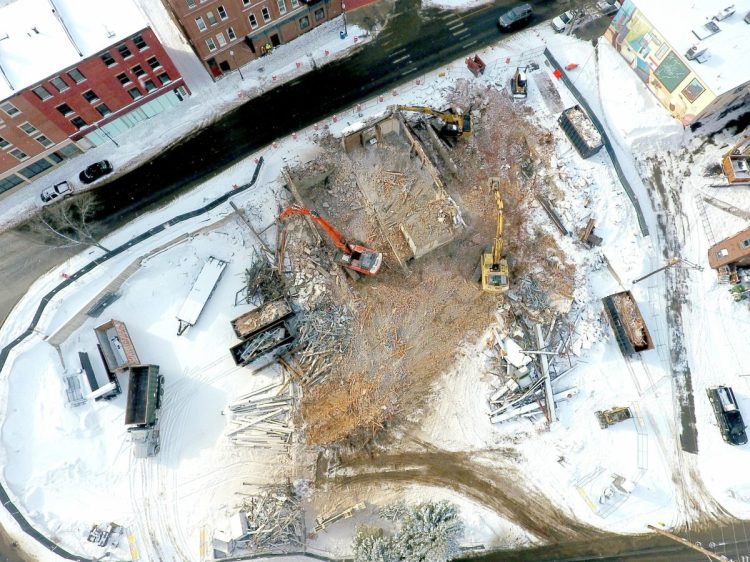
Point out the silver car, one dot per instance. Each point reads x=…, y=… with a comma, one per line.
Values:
x=61, y=189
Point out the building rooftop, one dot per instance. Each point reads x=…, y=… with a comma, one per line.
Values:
x=728, y=57
x=39, y=38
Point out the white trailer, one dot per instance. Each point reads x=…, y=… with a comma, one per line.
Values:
x=202, y=290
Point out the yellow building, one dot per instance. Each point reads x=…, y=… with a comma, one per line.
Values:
x=693, y=55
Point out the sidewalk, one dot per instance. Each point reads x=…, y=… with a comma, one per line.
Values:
x=207, y=104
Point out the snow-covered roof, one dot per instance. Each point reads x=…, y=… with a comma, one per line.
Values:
x=728, y=64
x=39, y=38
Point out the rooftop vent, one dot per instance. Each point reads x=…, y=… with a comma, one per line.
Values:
x=724, y=14
x=706, y=30
x=696, y=52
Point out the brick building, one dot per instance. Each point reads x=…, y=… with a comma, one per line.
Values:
x=72, y=76
x=229, y=33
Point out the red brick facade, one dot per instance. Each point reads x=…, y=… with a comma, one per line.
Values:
x=101, y=88
x=229, y=33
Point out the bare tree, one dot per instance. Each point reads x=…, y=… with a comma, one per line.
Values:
x=68, y=223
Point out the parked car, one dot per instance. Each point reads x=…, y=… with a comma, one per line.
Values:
x=560, y=23
x=61, y=189
x=728, y=414
x=95, y=171
x=608, y=7
x=516, y=18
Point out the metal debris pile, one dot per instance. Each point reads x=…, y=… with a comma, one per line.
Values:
x=262, y=418
x=324, y=336
x=526, y=377
x=262, y=281
x=261, y=344
x=275, y=520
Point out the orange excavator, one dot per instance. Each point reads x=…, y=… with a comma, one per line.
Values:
x=350, y=256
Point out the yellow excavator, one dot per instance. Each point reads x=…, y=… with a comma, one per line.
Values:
x=495, y=274
x=456, y=124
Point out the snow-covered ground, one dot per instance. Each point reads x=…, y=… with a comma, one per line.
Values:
x=69, y=468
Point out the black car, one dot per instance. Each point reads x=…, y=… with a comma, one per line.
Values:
x=516, y=18
x=95, y=171
x=727, y=414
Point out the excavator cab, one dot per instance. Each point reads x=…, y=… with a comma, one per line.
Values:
x=361, y=260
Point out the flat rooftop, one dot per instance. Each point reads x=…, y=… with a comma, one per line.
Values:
x=728, y=64
x=39, y=38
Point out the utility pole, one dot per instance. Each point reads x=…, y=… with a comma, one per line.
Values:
x=688, y=544
x=670, y=263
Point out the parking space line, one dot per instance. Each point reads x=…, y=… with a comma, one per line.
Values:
x=462, y=32
x=469, y=44
x=397, y=51
x=414, y=69
x=459, y=24
x=401, y=58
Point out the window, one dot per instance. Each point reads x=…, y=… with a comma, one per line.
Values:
x=211, y=44
x=153, y=63
x=140, y=42
x=722, y=253
x=108, y=59
x=28, y=128
x=304, y=22
x=9, y=108
x=3, y=143
x=124, y=51
x=200, y=23
x=18, y=153
x=266, y=14
x=59, y=84
x=135, y=93
x=90, y=96
x=211, y=18
x=253, y=20
x=123, y=78
x=245, y=2
x=55, y=157
x=9, y=183
x=44, y=141
x=220, y=38
x=36, y=168
x=138, y=70
x=164, y=78
x=190, y=4
x=42, y=93
x=230, y=33
x=64, y=108
x=294, y=3
x=76, y=76
x=103, y=109
x=282, y=6
x=745, y=243
x=222, y=12
x=78, y=122
x=149, y=85
x=319, y=14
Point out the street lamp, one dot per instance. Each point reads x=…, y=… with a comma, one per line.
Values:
x=231, y=54
x=343, y=13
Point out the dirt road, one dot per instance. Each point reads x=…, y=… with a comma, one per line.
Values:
x=501, y=488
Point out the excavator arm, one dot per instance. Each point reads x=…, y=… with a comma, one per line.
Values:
x=351, y=256
x=497, y=250
x=462, y=122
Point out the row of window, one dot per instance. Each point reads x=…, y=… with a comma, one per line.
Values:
x=201, y=23
x=124, y=51
x=17, y=152
x=265, y=13
x=38, y=166
x=59, y=84
x=220, y=39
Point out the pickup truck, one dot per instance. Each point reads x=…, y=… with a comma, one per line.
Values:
x=728, y=414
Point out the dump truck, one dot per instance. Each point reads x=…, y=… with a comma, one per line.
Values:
x=728, y=414
x=267, y=329
x=266, y=314
x=627, y=323
x=581, y=131
x=145, y=390
x=612, y=416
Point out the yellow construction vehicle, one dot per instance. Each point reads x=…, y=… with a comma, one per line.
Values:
x=495, y=275
x=456, y=124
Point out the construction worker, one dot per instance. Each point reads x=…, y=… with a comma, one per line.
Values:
x=269, y=47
